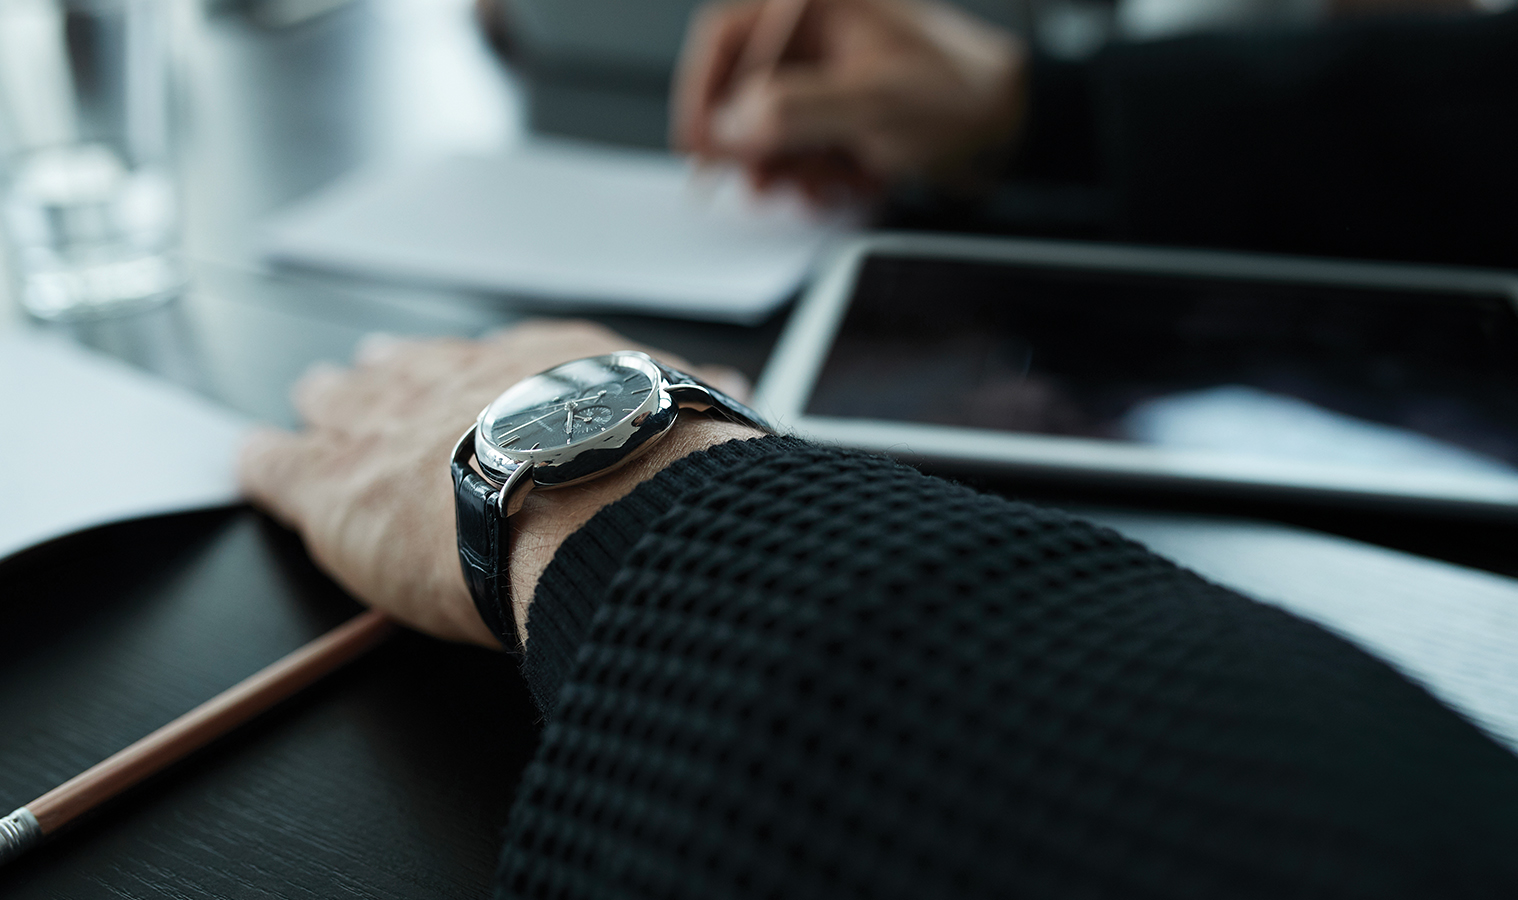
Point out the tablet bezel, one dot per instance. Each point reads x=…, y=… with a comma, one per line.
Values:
x=794, y=367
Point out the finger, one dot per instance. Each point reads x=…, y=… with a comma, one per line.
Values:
x=791, y=111
x=274, y=469
x=392, y=376
x=329, y=397
x=316, y=393
x=713, y=45
x=376, y=347
x=826, y=177
x=833, y=178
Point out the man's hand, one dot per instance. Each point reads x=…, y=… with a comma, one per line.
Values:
x=871, y=91
x=367, y=483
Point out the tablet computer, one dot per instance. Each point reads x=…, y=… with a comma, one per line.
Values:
x=1213, y=370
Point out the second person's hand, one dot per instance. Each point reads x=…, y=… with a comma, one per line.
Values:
x=868, y=92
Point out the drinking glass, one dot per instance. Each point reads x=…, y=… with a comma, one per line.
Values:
x=87, y=196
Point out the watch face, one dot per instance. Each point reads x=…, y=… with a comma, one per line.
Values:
x=573, y=404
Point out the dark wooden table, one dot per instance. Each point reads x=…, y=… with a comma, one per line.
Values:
x=393, y=778
x=389, y=780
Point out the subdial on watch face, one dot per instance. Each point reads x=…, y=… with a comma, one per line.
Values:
x=590, y=419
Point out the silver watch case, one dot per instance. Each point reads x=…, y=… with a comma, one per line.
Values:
x=615, y=446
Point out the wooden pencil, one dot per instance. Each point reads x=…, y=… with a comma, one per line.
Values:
x=205, y=723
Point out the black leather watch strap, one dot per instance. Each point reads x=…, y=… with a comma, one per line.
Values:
x=482, y=551
x=723, y=406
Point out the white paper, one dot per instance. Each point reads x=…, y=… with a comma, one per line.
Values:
x=588, y=227
x=88, y=440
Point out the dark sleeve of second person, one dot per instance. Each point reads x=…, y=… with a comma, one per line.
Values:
x=783, y=670
x=1389, y=139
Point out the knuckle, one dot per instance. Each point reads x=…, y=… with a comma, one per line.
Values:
x=377, y=347
x=425, y=352
x=318, y=379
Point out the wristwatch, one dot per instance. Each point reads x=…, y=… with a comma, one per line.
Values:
x=570, y=424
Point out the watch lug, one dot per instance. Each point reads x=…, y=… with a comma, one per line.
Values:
x=463, y=451
x=689, y=392
x=514, y=491
x=691, y=396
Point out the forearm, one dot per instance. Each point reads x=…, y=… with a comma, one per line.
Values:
x=783, y=668
x=1384, y=140
x=1376, y=140
x=1058, y=142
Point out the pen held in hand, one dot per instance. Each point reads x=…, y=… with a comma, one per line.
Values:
x=773, y=32
x=26, y=827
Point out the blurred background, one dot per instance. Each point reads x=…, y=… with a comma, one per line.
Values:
x=224, y=192
x=269, y=101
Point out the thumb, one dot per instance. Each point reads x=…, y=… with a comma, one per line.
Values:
x=786, y=112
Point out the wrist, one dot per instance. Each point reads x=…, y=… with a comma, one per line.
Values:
x=547, y=518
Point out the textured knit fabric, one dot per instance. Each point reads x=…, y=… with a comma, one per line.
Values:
x=779, y=670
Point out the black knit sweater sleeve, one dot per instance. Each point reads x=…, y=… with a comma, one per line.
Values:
x=781, y=670
x=1383, y=138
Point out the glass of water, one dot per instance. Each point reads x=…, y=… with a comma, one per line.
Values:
x=87, y=196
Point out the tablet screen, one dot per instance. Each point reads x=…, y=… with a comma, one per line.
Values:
x=1327, y=374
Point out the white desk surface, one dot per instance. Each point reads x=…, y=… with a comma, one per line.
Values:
x=1450, y=628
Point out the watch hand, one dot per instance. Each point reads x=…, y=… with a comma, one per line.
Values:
x=569, y=420
x=525, y=424
x=569, y=404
